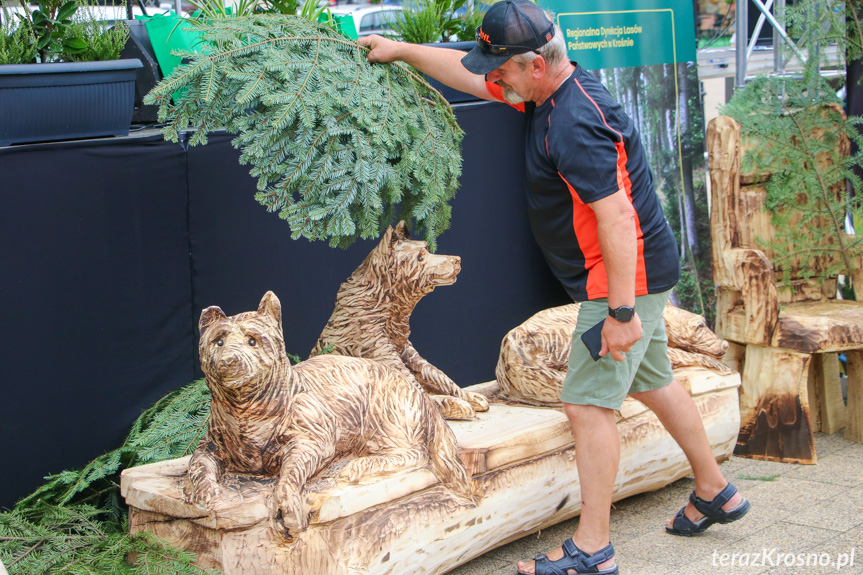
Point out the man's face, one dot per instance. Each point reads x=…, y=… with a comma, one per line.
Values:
x=513, y=80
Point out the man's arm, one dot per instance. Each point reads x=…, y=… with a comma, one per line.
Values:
x=442, y=64
x=615, y=222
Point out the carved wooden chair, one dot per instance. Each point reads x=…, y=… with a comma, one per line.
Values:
x=785, y=340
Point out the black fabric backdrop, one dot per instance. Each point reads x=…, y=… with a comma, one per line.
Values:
x=111, y=248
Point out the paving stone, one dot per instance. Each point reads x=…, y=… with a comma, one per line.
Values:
x=484, y=565
x=801, y=509
x=842, y=467
x=827, y=444
x=841, y=513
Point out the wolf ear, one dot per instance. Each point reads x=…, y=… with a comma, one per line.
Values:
x=389, y=238
x=402, y=231
x=210, y=316
x=271, y=306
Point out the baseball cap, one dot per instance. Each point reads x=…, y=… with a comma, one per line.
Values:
x=510, y=27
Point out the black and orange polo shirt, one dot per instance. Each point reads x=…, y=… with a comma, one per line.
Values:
x=581, y=147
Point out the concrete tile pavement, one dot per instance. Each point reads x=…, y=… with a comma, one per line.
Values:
x=805, y=519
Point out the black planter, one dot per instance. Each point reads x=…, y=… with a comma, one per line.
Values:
x=66, y=101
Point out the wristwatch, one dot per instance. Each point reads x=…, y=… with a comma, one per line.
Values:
x=622, y=314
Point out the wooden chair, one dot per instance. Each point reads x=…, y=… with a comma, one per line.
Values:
x=785, y=340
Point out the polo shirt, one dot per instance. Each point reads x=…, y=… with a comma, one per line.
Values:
x=581, y=147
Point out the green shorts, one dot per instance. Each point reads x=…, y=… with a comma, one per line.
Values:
x=607, y=382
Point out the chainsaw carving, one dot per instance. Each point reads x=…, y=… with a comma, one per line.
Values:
x=373, y=309
x=535, y=355
x=408, y=522
x=289, y=423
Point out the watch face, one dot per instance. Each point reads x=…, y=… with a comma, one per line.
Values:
x=622, y=314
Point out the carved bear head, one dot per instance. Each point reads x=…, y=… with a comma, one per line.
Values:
x=245, y=351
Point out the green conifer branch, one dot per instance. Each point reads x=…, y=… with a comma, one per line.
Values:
x=341, y=148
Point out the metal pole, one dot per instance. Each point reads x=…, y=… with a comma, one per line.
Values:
x=778, y=58
x=741, y=34
x=779, y=29
x=757, y=32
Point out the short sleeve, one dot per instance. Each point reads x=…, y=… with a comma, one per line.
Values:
x=586, y=153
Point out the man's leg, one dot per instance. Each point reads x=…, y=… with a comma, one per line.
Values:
x=597, y=455
x=677, y=411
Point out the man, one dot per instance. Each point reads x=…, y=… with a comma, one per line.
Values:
x=596, y=216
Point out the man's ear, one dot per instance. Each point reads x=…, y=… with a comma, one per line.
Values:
x=538, y=67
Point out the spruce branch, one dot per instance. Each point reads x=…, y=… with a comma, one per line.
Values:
x=341, y=148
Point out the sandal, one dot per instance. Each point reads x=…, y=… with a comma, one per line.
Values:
x=575, y=558
x=712, y=512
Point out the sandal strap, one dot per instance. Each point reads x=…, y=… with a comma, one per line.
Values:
x=713, y=509
x=585, y=561
x=545, y=566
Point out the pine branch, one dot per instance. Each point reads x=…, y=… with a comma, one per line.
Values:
x=340, y=148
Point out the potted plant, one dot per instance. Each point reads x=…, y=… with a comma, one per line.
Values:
x=60, y=77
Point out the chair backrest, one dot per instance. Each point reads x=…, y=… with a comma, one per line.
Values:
x=740, y=220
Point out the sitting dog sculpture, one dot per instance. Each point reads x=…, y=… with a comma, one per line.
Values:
x=271, y=419
x=373, y=309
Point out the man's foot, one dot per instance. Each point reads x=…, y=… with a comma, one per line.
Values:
x=699, y=514
x=693, y=515
x=529, y=567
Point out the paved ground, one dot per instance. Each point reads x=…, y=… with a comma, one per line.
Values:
x=798, y=511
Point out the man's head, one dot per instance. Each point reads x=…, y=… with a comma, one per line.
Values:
x=509, y=28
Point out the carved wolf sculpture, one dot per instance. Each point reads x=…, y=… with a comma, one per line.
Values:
x=534, y=356
x=373, y=309
x=275, y=420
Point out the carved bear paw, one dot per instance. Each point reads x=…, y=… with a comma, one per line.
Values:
x=454, y=408
x=202, y=493
x=353, y=471
x=477, y=401
x=290, y=510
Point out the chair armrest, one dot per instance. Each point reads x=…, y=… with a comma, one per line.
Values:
x=753, y=276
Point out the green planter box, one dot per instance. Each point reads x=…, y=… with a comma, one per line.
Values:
x=66, y=101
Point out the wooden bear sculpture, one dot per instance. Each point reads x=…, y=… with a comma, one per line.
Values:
x=289, y=423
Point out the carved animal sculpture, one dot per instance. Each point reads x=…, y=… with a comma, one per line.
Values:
x=371, y=318
x=535, y=355
x=271, y=419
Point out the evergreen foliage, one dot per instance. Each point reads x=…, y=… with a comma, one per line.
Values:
x=17, y=39
x=341, y=148
x=77, y=540
x=76, y=523
x=103, y=43
x=799, y=142
x=169, y=429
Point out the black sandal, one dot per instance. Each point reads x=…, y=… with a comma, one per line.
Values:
x=575, y=558
x=712, y=512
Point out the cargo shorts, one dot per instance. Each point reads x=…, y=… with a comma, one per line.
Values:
x=606, y=382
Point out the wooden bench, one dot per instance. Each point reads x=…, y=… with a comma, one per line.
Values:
x=522, y=459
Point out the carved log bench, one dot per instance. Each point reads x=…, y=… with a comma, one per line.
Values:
x=521, y=457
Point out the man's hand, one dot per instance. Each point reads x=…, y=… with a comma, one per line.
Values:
x=382, y=49
x=618, y=337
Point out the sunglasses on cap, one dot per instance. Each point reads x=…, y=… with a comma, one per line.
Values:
x=501, y=49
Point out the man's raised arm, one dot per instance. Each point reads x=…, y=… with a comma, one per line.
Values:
x=442, y=64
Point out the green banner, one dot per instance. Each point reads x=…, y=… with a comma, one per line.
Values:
x=625, y=33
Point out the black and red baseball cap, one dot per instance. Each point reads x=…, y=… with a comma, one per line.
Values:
x=510, y=27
